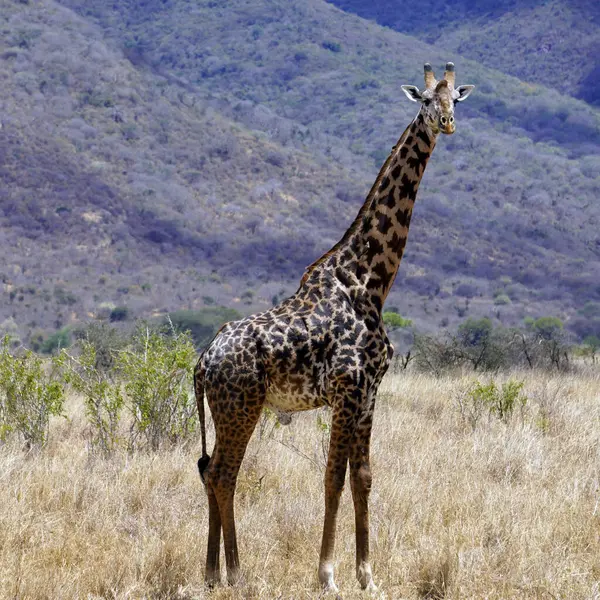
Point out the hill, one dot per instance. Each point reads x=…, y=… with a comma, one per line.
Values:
x=167, y=155
x=119, y=187
x=553, y=43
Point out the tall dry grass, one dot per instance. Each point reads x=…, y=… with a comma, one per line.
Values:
x=499, y=511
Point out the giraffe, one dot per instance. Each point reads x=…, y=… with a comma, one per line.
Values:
x=324, y=346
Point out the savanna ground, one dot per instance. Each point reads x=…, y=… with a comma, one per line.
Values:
x=459, y=509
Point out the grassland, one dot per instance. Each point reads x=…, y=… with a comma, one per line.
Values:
x=499, y=510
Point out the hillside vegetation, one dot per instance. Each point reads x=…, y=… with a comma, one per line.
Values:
x=118, y=187
x=554, y=43
x=175, y=155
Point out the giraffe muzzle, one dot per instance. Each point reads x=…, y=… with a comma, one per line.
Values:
x=447, y=124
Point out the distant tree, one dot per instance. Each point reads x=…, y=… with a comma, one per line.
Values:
x=476, y=343
x=202, y=324
x=435, y=354
x=393, y=320
x=547, y=328
x=475, y=332
x=119, y=313
x=105, y=340
x=591, y=346
x=547, y=342
x=56, y=341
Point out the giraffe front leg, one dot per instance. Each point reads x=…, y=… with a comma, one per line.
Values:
x=334, y=483
x=360, y=481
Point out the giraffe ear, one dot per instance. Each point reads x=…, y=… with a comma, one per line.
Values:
x=412, y=93
x=462, y=92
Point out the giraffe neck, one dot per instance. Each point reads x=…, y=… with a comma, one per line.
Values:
x=367, y=257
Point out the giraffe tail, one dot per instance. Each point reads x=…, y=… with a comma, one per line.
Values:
x=199, y=391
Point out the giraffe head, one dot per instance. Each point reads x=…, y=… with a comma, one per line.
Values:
x=438, y=99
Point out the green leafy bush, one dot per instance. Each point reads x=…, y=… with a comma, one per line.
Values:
x=56, y=341
x=119, y=313
x=501, y=300
x=102, y=396
x=476, y=344
x=497, y=401
x=158, y=374
x=475, y=332
x=64, y=296
x=29, y=396
x=548, y=328
x=590, y=347
x=393, y=320
x=548, y=341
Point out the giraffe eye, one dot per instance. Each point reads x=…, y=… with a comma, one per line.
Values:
x=426, y=101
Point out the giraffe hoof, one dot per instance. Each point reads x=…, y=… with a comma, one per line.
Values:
x=212, y=581
x=235, y=578
x=331, y=589
x=326, y=578
x=371, y=588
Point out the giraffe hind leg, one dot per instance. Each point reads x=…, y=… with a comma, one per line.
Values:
x=213, y=567
x=233, y=432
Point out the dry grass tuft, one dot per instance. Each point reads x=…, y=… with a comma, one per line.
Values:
x=434, y=575
x=501, y=510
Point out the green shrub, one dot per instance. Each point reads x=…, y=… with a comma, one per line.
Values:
x=64, y=296
x=29, y=396
x=593, y=342
x=590, y=347
x=101, y=394
x=158, y=374
x=393, y=320
x=548, y=328
x=475, y=332
x=106, y=340
x=56, y=341
x=119, y=313
x=497, y=401
x=501, y=300
x=551, y=344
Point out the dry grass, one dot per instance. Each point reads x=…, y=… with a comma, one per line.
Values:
x=500, y=511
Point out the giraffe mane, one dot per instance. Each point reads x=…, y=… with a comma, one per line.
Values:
x=361, y=213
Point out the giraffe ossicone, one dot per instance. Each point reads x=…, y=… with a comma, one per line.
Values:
x=324, y=346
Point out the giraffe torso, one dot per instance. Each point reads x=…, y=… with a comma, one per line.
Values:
x=298, y=353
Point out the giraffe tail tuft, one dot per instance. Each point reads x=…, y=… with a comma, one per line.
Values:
x=199, y=391
x=202, y=464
